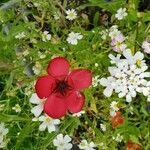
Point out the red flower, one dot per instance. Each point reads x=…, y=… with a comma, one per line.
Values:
x=132, y=146
x=61, y=88
x=117, y=120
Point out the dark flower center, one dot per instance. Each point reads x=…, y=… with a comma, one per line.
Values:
x=62, y=87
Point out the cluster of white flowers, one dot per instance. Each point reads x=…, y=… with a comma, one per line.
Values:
x=17, y=108
x=146, y=47
x=121, y=13
x=87, y=146
x=20, y=35
x=62, y=142
x=46, y=36
x=74, y=37
x=3, y=132
x=117, y=38
x=113, y=108
x=127, y=76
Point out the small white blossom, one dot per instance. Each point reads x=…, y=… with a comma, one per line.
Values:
x=95, y=81
x=114, y=106
x=37, y=110
x=103, y=127
x=96, y=65
x=113, y=31
x=62, y=142
x=121, y=13
x=49, y=123
x=74, y=37
x=17, y=108
x=78, y=114
x=41, y=55
x=146, y=47
x=118, y=44
x=3, y=133
x=104, y=34
x=46, y=36
x=87, y=146
x=37, y=68
x=71, y=14
x=118, y=138
x=20, y=35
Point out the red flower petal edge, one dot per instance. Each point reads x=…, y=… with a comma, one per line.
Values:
x=62, y=89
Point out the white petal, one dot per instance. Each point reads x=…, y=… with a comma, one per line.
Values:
x=42, y=127
x=51, y=128
x=138, y=56
x=42, y=118
x=68, y=146
x=34, y=99
x=37, y=110
x=128, y=98
x=67, y=139
x=108, y=91
x=103, y=81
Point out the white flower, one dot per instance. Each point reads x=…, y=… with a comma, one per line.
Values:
x=103, y=127
x=127, y=76
x=114, y=106
x=117, y=43
x=3, y=132
x=118, y=138
x=62, y=142
x=78, y=114
x=146, y=47
x=87, y=146
x=95, y=81
x=109, y=83
x=71, y=14
x=37, y=68
x=112, y=113
x=49, y=123
x=17, y=108
x=104, y=34
x=121, y=13
x=41, y=55
x=74, y=37
x=37, y=110
x=46, y=36
x=113, y=31
x=3, y=144
x=20, y=35
x=114, y=60
x=96, y=65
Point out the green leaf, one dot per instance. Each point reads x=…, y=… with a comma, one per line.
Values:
x=28, y=128
x=10, y=118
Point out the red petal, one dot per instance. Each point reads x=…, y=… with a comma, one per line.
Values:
x=80, y=78
x=44, y=86
x=75, y=102
x=58, y=67
x=55, y=107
